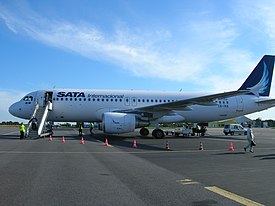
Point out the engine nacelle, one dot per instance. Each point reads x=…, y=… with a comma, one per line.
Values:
x=117, y=123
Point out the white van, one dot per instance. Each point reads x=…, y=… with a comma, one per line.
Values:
x=234, y=129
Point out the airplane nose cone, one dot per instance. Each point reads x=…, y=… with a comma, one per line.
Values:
x=13, y=109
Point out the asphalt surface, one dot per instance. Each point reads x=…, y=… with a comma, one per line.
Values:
x=43, y=172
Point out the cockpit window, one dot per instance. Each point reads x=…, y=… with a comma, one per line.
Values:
x=27, y=98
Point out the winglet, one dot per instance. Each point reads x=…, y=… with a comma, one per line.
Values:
x=259, y=81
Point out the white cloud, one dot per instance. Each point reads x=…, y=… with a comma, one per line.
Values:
x=204, y=46
x=205, y=54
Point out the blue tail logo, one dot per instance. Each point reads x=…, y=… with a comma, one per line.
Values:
x=259, y=81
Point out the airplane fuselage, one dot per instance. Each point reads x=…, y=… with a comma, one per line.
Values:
x=89, y=105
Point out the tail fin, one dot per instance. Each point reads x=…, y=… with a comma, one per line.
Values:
x=259, y=81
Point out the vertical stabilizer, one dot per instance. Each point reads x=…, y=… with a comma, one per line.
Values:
x=259, y=81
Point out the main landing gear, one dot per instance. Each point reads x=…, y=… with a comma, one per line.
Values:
x=157, y=133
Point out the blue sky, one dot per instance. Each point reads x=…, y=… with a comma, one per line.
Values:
x=200, y=46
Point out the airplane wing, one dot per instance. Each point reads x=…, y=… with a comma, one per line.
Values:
x=206, y=100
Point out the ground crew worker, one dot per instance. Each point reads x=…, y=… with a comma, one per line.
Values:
x=250, y=138
x=198, y=128
x=91, y=128
x=22, y=131
x=80, y=129
x=34, y=124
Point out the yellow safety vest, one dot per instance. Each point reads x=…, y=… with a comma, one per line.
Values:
x=22, y=128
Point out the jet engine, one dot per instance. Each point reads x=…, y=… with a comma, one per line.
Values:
x=117, y=123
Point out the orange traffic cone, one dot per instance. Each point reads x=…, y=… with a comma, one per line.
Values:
x=134, y=144
x=82, y=141
x=201, y=146
x=231, y=148
x=63, y=139
x=51, y=138
x=167, y=147
x=106, y=144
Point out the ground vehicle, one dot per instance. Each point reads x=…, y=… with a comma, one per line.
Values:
x=183, y=132
x=234, y=129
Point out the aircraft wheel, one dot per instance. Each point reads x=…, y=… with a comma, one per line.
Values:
x=158, y=133
x=144, y=131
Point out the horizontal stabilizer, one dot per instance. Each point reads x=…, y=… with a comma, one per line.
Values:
x=267, y=102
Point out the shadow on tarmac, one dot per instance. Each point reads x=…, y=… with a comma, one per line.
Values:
x=240, y=138
x=230, y=153
x=9, y=137
x=266, y=157
x=120, y=141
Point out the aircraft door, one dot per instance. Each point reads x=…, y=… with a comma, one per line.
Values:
x=240, y=105
x=43, y=97
x=40, y=98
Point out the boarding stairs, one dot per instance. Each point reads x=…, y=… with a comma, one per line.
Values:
x=41, y=114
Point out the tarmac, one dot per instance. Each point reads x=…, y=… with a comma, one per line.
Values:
x=43, y=172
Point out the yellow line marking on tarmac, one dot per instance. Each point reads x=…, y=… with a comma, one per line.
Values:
x=233, y=196
x=187, y=182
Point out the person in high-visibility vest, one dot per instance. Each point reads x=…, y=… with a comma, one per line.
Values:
x=22, y=131
x=91, y=128
x=80, y=128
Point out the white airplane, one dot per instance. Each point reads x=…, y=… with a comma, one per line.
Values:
x=123, y=111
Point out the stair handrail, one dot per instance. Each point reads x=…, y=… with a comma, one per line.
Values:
x=44, y=117
x=33, y=116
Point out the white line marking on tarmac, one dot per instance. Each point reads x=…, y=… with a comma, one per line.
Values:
x=11, y=133
x=233, y=196
x=187, y=182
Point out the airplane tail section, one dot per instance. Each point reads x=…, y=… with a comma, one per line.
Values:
x=259, y=81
